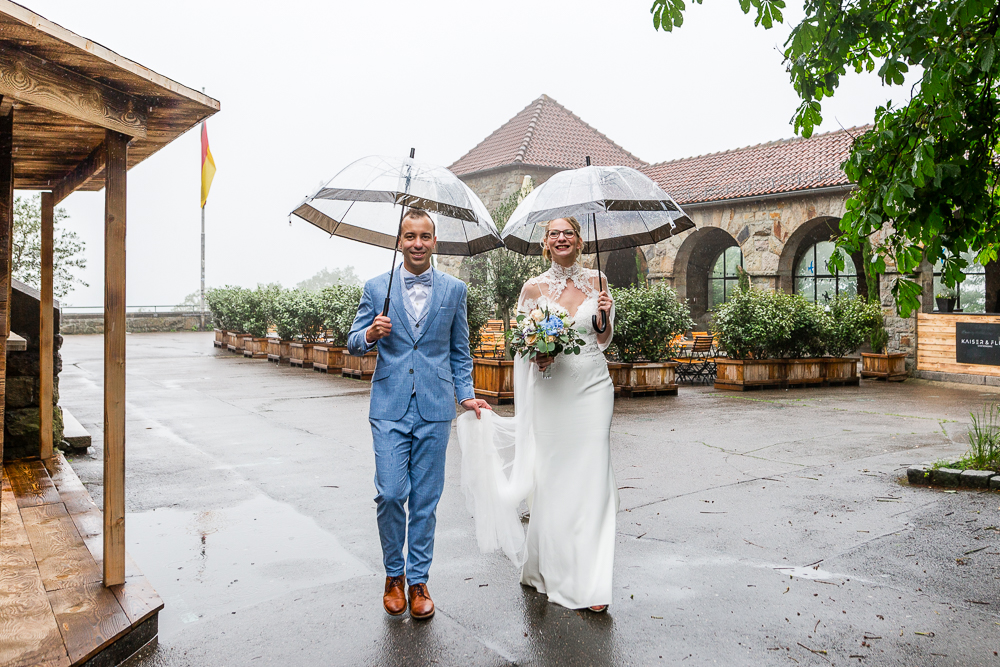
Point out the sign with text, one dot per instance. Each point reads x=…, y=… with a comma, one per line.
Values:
x=977, y=343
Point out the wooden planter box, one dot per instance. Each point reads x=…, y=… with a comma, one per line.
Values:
x=493, y=380
x=891, y=367
x=648, y=379
x=221, y=338
x=255, y=348
x=359, y=368
x=741, y=374
x=279, y=351
x=329, y=358
x=805, y=371
x=234, y=341
x=301, y=354
x=841, y=370
x=620, y=373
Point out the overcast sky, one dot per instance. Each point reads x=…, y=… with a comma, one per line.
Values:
x=308, y=87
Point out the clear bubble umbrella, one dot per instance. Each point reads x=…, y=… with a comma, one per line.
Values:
x=617, y=207
x=367, y=199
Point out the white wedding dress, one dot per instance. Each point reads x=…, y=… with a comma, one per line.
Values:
x=556, y=454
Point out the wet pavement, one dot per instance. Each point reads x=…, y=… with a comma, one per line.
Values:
x=764, y=528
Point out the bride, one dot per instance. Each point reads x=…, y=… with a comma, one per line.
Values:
x=555, y=453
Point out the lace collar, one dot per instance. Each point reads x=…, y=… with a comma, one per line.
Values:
x=556, y=277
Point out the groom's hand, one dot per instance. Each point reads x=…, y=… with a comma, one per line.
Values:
x=380, y=328
x=476, y=404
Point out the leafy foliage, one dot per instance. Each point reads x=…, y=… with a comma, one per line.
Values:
x=328, y=278
x=478, y=309
x=927, y=172
x=502, y=272
x=220, y=301
x=878, y=338
x=647, y=320
x=341, y=304
x=26, y=259
x=984, y=440
x=761, y=324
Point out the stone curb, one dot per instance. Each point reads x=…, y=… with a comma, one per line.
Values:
x=924, y=475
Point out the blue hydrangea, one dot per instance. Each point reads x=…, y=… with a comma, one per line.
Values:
x=552, y=325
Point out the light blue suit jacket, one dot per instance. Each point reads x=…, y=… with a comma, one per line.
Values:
x=432, y=361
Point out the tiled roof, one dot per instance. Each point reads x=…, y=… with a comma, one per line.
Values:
x=776, y=167
x=547, y=134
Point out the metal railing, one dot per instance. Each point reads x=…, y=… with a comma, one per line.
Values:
x=96, y=310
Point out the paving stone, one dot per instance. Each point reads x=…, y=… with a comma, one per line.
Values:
x=946, y=476
x=918, y=475
x=995, y=483
x=976, y=479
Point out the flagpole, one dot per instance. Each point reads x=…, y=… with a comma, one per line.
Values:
x=203, y=267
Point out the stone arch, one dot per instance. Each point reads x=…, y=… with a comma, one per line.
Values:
x=693, y=263
x=809, y=233
x=625, y=267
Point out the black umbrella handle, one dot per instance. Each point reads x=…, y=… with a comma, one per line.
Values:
x=603, y=326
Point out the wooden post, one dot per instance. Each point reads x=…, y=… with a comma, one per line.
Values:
x=114, y=358
x=46, y=329
x=6, y=249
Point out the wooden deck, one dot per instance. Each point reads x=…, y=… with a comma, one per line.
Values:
x=54, y=608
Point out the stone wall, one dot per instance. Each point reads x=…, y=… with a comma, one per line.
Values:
x=93, y=323
x=21, y=406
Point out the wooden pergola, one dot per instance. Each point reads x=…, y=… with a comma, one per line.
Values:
x=75, y=115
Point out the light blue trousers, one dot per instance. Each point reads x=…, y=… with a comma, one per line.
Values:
x=409, y=468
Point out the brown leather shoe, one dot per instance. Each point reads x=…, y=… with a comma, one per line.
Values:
x=394, y=598
x=421, y=605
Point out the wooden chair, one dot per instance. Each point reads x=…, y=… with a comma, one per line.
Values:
x=697, y=364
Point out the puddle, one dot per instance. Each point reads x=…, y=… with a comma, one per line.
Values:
x=808, y=573
x=214, y=562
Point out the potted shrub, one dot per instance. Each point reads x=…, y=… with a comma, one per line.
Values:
x=878, y=363
x=847, y=323
x=340, y=306
x=238, y=306
x=257, y=310
x=945, y=299
x=284, y=321
x=648, y=320
x=750, y=326
x=219, y=301
x=493, y=379
x=306, y=311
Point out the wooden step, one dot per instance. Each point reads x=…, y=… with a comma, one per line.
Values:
x=54, y=608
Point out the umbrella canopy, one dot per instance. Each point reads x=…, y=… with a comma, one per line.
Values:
x=616, y=206
x=364, y=203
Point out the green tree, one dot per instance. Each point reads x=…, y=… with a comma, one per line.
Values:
x=503, y=272
x=927, y=171
x=327, y=277
x=67, y=248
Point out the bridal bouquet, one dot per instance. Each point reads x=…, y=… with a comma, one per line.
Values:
x=546, y=331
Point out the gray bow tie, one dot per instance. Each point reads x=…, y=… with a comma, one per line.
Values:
x=423, y=279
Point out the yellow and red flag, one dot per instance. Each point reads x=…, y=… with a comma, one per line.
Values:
x=207, y=165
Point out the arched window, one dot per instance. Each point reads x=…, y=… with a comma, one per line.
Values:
x=970, y=294
x=724, y=278
x=815, y=282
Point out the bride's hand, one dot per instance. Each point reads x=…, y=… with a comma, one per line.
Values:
x=543, y=361
x=604, y=302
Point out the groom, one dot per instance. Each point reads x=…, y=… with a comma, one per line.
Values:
x=423, y=362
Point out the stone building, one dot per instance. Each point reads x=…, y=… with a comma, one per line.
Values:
x=773, y=209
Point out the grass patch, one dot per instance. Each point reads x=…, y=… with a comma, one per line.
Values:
x=984, y=442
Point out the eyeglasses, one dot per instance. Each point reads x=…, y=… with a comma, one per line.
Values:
x=556, y=233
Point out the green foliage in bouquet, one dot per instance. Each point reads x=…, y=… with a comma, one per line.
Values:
x=647, y=320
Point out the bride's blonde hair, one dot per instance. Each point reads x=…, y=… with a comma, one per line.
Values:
x=579, y=236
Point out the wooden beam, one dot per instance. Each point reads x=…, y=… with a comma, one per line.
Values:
x=6, y=106
x=91, y=167
x=114, y=358
x=6, y=249
x=28, y=78
x=46, y=330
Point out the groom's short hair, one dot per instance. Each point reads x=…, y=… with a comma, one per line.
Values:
x=417, y=213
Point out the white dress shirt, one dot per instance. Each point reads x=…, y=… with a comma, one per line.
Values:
x=418, y=293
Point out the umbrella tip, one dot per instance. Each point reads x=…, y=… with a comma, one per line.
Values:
x=588, y=160
x=412, y=152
